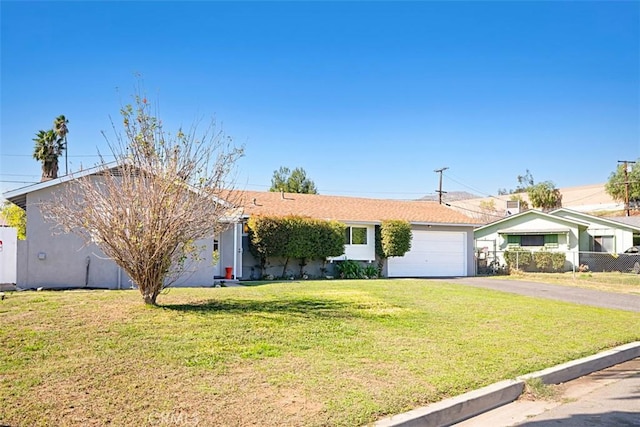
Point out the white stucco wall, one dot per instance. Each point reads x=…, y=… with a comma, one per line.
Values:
x=360, y=252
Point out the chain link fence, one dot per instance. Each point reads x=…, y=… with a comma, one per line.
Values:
x=500, y=262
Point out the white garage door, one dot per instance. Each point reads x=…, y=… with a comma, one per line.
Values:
x=432, y=254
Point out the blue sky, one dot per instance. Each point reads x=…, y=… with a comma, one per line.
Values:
x=368, y=97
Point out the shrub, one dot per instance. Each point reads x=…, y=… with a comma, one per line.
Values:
x=542, y=260
x=350, y=269
x=393, y=238
x=295, y=237
x=549, y=261
x=557, y=261
x=518, y=259
x=371, y=272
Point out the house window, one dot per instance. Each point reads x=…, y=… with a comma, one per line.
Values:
x=513, y=240
x=532, y=240
x=551, y=240
x=603, y=244
x=356, y=235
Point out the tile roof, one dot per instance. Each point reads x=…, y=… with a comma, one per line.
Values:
x=350, y=208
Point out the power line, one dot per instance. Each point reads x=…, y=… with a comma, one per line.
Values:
x=19, y=182
x=71, y=155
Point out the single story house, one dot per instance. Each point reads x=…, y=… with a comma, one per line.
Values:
x=442, y=242
x=50, y=259
x=572, y=232
x=442, y=238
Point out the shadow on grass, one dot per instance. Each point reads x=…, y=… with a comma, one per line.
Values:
x=299, y=307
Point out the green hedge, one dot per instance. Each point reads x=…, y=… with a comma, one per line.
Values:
x=543, y=260
x=519, y=258
x=546, y=261
x=295, y=237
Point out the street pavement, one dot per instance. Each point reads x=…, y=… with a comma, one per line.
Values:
x=607, y=398
x=572, y=294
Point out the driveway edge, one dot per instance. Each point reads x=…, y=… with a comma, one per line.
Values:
x=468, y=405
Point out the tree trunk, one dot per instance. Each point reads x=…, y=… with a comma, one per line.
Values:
x=150, y=297
x=284, y=268
x=303, y=263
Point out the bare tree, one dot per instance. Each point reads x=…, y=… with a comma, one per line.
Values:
x=149, y=209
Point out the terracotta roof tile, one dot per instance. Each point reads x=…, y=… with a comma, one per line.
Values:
x=350, y=208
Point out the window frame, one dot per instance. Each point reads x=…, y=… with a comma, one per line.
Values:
x=349, y=235
x=532, y=240
x=599, y=246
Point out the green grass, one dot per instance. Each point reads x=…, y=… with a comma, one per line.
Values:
x=610, y=282
x=311, y=353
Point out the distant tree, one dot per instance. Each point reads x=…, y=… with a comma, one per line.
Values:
x=545, y=195
x=292, y=182
x=61, y=129
x=616, y=186
x=47, y=149
x=15, y=217
x=148, y=211
x=524, y=182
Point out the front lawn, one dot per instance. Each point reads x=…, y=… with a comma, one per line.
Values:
x=313, y=353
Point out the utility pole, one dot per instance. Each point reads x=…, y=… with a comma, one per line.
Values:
x=439, y=190
x=626, y=184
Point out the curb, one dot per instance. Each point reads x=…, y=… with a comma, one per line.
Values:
x=468, y=405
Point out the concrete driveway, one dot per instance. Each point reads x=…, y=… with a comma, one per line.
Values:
x=556, y=292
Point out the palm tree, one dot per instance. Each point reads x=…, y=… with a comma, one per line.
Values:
x=61, y=130
x=47, y=150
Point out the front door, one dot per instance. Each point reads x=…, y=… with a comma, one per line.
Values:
x=216, y=251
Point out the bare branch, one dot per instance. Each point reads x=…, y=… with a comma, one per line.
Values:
x=164, y=192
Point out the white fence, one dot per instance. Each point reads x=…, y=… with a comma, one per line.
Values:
x=8, y=255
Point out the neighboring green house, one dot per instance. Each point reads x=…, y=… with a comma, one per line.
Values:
x=602, y=234
x=563, y=230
